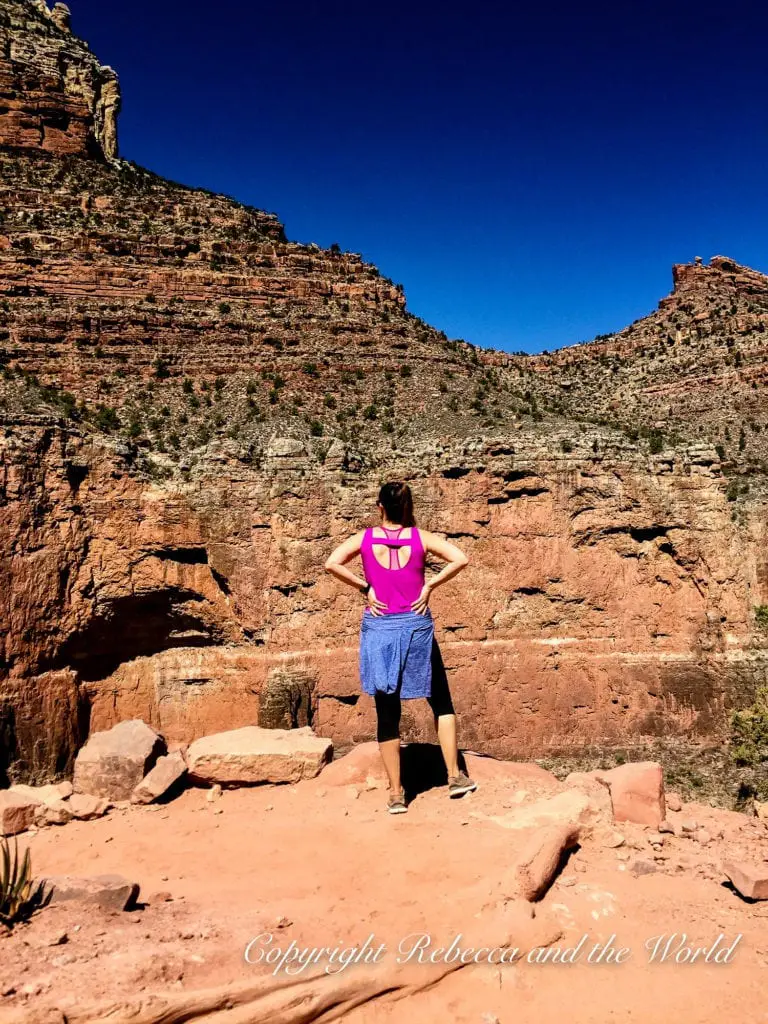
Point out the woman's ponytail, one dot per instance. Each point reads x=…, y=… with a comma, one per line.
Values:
x=397, y=501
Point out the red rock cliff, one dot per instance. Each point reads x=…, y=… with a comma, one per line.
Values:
x=54, y=94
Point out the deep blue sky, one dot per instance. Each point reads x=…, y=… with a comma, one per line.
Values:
x=528, y=171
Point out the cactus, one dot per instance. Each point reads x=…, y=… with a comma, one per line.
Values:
x=19, y=895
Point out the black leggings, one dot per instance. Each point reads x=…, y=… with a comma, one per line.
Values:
x=389, y=706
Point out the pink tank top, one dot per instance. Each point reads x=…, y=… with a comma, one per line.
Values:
x=398, y=586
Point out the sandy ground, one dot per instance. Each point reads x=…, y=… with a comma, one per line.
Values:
x=325, y=865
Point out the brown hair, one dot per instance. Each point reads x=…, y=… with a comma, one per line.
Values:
x=397, y=501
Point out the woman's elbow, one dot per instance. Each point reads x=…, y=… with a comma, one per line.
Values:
x=463, y=561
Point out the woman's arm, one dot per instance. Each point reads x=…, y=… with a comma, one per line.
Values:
x=454, y=558
x=336, y=565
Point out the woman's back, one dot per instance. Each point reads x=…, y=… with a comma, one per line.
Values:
x=393, y=561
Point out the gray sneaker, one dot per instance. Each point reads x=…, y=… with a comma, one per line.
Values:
x=396, y=803
x=460, y=784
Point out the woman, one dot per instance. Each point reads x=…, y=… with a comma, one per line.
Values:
x=397, y=637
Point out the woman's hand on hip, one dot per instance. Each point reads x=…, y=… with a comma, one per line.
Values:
x=375, y=606
x=421, y=604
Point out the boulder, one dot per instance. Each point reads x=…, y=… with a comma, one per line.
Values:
x=17, y=812
x=159, y=781
x=52, y=793
x=111, y=892
x=53, y=812
x=751, y=880
x=673, y=801
x=363, y=762
x=540, y=859
x=251, y=755
x=113, y=763
x=637, y=792
x=85, y=807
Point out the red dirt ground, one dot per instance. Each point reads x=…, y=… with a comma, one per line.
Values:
x=324, y=864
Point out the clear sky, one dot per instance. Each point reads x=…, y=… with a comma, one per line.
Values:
x=528, y=171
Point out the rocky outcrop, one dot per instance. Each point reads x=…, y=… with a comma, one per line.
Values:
x=697, y=364
x=54, y=94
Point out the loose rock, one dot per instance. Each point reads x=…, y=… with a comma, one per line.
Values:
x=86, y=807
x=642, y=867
x=113, y=763
x=251, y=755
x=111, y=892
x=637, y=792
x=166, y=773
x=17, y=812
x=751, y=880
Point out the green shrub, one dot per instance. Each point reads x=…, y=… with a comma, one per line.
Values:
x=655, y=441
x=316, y=428
x=761, y=616
x=566, y=445
x=749, y=732
x=106, y=418
x=161, y=368
x=19, y=895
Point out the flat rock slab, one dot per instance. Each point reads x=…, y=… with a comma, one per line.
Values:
x=252, y=755
x=751, y=880
x=17, y=812
x=51, y=793
x=113, y=763
x=111, y=892
x=166, y=773
x=571, y=807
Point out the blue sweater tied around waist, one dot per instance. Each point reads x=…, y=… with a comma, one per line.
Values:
x=396, y=653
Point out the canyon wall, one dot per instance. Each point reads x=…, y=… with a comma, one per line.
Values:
x=608, y=598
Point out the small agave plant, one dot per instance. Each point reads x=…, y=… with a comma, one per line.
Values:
x=19, y=895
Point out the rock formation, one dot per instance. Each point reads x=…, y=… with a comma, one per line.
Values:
x=54, y=94
x=195, y=410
